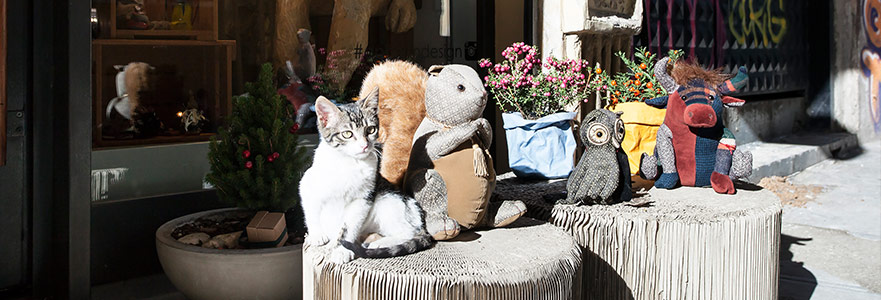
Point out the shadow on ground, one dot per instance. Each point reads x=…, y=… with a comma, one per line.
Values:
x=796, y=282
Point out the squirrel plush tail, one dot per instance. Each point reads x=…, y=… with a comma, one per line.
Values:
x=418, y=243
x=401, y=109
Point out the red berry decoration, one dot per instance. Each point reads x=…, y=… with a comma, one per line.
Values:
x=294, y=128
x=246, y=153
x=270, y=158
x=249, y=165
x=275, y=155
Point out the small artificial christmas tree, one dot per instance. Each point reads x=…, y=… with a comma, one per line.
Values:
x=256, y=162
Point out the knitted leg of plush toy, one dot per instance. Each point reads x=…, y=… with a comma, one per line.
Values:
x=648, y=166
x=720, y=181
x=741, y=164
x=503, y=213
x=430, y=191
x=664, y=151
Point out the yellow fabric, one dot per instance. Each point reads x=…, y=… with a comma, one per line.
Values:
x=641, y=123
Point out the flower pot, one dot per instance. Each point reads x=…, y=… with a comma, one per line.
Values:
x=542, y=148
x=202, y=273
x=641, y=124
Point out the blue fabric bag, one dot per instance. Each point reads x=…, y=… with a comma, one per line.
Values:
x=542, y=148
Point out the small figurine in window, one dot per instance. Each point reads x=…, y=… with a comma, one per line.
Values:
x=192, y=119
x=130, y=14
x=131, y=80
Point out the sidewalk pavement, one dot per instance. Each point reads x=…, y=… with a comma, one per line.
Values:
x=831, y=245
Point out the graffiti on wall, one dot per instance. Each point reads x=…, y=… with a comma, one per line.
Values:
x=870, y=58
x=757, y=22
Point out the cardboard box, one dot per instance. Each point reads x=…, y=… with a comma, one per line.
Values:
x=267, y=229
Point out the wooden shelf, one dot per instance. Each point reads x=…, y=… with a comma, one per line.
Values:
x=170, y=34
x=204, y=21
x=157, y=140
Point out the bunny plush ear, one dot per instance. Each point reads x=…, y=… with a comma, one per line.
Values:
x=435, y=69
x=119, y=68
x=328, y=113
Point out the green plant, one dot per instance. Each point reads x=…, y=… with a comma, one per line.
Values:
x=520, y=85
x=256, y=162
x=638, y=83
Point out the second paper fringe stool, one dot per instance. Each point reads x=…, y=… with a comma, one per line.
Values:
x=528, y=260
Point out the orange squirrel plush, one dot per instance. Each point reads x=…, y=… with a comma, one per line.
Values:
x=401, y=110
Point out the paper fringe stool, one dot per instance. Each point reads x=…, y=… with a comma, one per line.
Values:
x=528, y=260
x=689, y=244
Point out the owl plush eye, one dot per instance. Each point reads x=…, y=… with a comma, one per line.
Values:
x=619, y=130
x=461, y=88
x=598, y=134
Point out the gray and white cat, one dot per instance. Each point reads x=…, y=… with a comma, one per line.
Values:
x=343, y=196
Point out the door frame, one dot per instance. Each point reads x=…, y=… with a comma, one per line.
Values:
x=59, y=118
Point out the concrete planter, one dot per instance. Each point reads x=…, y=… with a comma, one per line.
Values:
x=201, y=273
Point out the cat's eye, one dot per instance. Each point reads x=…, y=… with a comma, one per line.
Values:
x=346, y=134
x=371, y=129
x=461, y=88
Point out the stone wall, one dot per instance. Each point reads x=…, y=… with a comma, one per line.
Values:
x=591, y=30
x=854, y=60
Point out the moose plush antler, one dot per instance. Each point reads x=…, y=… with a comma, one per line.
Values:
x=693, y=146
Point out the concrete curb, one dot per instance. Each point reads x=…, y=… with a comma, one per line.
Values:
x=792, y=154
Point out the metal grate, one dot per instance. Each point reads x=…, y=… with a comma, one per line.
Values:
x=766, y=36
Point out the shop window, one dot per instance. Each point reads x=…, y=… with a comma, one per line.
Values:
x=165, y=71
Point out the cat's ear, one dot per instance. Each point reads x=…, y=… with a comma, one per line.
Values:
x=328, y=113
x=371, y=101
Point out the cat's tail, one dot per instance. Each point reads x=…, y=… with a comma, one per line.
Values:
x=420, y=242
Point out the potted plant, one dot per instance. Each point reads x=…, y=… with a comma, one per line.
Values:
x=626, y=92
x=256, y=164
x=534, y=97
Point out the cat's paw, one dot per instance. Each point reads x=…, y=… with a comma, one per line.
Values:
x=341, y=255
x=315, y=240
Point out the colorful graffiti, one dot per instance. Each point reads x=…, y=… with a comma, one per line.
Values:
x=757, y=22
x=870, y=58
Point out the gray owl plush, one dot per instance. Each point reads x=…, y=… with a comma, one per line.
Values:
x=602, y=176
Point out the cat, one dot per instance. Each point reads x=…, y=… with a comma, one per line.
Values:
x=345, y=198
